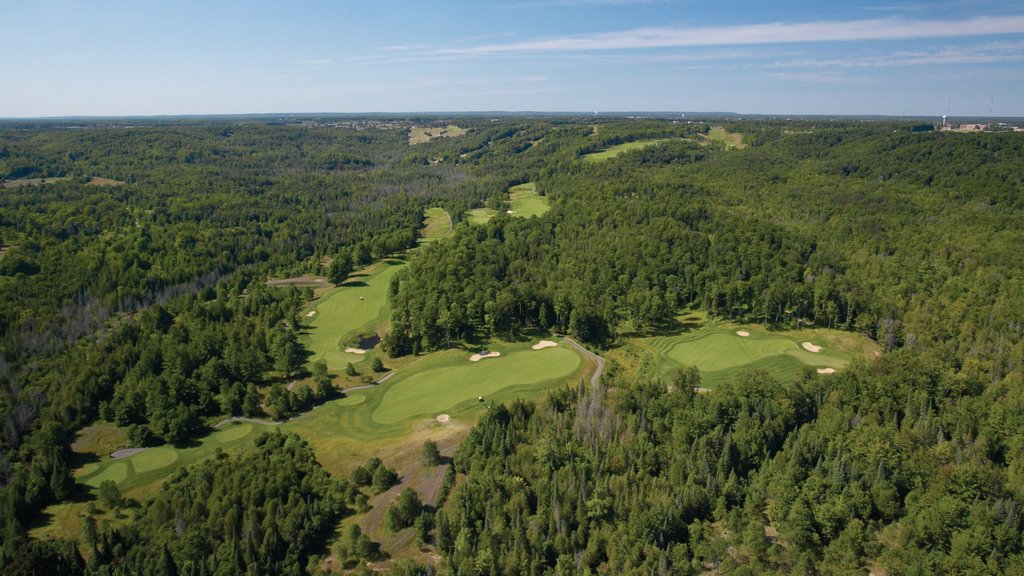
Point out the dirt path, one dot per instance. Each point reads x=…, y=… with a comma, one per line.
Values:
x=588, y=354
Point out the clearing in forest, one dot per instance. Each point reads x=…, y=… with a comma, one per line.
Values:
x=359, y=306
x=480, y=216
x=724, y=351
x=732, y=140
x=419, y=135
x=622, y=149
x=526, y=202
x=436, y=224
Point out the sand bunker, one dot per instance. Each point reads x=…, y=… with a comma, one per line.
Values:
x=811, y=347
x=544, y=344
x=442, y=418
x=355, y=350
x=479, y=357
x=310, y=313
x=743, y=333
x=826, y=370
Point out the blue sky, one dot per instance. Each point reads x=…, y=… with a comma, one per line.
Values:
x=100, y=57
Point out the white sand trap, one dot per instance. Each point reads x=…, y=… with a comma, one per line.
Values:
x=310, y=313
x=442, y=418
x=510, y=211
x=544, y=344
x=826, y=370
x=479, y=357
x=811, y=347
x=355, y=350
x=743, y=333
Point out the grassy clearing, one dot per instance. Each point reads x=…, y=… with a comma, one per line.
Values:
x=446, y=382
x=426, y=134
x=100, y=439
x=732, y=140
x=526, y=202
x=721, y=354
x=32, y=181
x=436, y=224
x=357, y=306
x=622, y=149
x=480, y=216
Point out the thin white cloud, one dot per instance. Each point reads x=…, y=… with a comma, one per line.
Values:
x=989, y=53
x=770, y=33
x=314, y=62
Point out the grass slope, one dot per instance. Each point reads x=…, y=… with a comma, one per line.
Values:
x=359, y=305
x=622, y=149
x=526, y=202
x=436, y=224
x=721, y=354
x=480, y=216
x=420, y=135
x=730, y=139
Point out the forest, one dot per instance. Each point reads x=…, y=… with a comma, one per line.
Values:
x=132, y=290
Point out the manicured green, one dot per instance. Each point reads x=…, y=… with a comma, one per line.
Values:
x=358, y=306
x=436, y=224
x=526, y=202
x=145, y=470
x=730, y=139
x=622, y=149
x=721, y=354
x=449, y=380
x=480, y=216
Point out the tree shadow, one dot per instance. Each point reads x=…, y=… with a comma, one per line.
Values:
x=355, y=284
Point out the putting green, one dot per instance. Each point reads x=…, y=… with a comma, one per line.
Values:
x=435, y=389
x=721, y=354
x=359, y=305
x=154, y=458
x=526, y=202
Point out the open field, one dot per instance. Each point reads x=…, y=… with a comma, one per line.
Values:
x=436, y=224
x=622, y=149
x=32, y=181
x=480, y=216
x=526, y=202
x=421, y=135
x=730, y=139
x=357, y=306
x=721, y=352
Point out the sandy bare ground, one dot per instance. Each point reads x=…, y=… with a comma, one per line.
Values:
x=826, y=370
x=743, y=333
x=702, y=390
x=811, y=347
x=125, y=452
x=311, y=313
x=544, y=344
x=443, y=418
x=355, y=350
x=479, y=357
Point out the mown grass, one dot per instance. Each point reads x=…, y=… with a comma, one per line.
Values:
x=357, y=306
x=721, y=354
x=730, y=139
x=480, y=216
x=622, y=149
x=526, y=202
x=436, y=224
